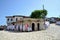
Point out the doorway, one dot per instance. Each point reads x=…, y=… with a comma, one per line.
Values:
x=38, y=26
x=19, y=28
x=33, y=25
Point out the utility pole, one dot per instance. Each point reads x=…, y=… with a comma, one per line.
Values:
x=44, y=16
x=43, y=11
x=43, y=6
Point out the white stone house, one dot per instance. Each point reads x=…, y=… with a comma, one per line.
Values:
x=24, y=23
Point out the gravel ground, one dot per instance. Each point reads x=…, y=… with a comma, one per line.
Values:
x=51, y=33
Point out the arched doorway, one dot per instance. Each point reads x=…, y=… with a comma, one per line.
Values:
x=33, y=25
x=38, y=26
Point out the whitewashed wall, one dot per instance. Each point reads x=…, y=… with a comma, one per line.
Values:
x=18, y=18
x=10, y=27
x=14, y=19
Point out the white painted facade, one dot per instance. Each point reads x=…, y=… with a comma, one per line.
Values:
x=14, y=19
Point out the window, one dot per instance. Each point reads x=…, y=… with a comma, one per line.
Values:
x=8, y=19
x=21, y=18
x=11, y=19
x=16, y=19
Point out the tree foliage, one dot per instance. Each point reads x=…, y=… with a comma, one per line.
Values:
x=38, y=14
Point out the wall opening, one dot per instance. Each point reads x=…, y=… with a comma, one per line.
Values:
x=18, y=28
x=33, y=25
x=38, y=28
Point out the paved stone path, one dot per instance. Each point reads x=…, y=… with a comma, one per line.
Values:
x=52, y=33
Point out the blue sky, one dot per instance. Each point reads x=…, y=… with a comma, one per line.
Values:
x=25, y=7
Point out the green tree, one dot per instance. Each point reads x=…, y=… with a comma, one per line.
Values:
x=38, y=14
